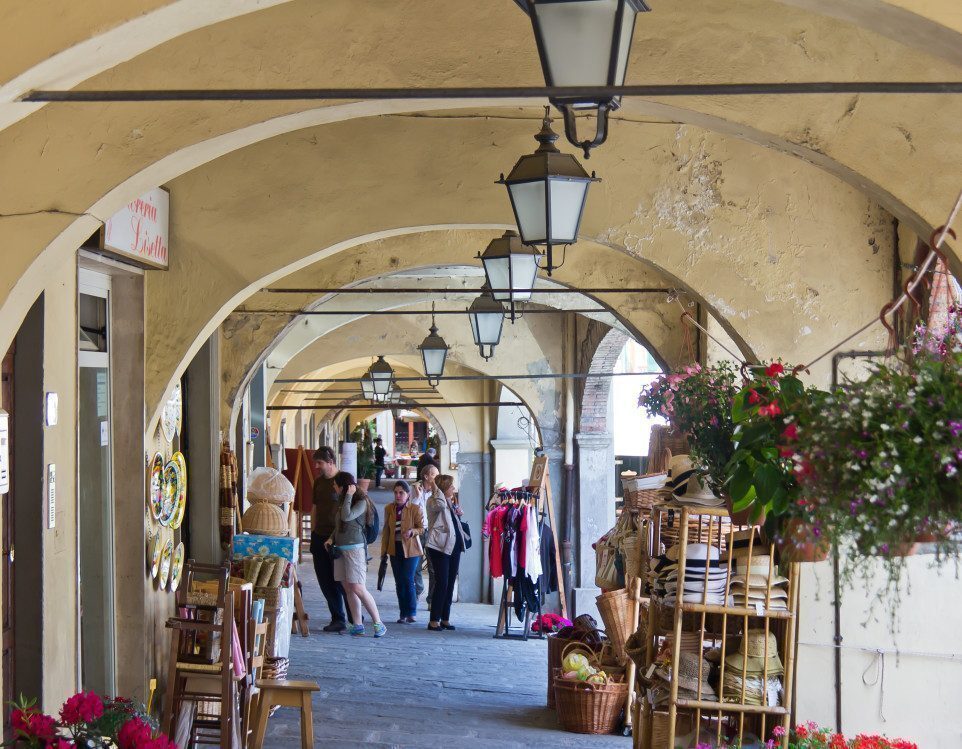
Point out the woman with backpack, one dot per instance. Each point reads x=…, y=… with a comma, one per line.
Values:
x=447, y=538
x=401, y=543
x=348, y=546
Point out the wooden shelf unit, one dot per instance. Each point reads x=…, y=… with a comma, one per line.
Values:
x=728, y=623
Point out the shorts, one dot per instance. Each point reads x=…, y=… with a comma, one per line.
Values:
x=351, y=566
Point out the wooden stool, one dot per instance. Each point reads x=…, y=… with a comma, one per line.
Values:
x=285, y=694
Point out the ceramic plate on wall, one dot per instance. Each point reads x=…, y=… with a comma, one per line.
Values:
x=155, y=553
x=177, y=566
x=170, y=418
x=181, y=502
x=172, y=489
x=165, y=559
x=155, y=485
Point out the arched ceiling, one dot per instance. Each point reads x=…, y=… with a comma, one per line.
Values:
x=424, y=165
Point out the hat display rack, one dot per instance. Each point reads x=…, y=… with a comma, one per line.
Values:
x=719, y=640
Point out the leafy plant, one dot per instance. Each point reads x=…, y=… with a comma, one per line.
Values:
x=86, y=720
x=881, y=460
x=698, y=401
x=364, y=434
x=762, y=470
x=811, y=736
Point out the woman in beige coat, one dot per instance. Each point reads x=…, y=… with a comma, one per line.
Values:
x=401, y=541
x=445, y=543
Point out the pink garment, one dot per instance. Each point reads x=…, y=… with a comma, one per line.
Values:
x=238, y=662
x=495, y=522
x=522, y=540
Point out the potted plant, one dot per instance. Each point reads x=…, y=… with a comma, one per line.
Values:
x=87, y=720
x=762, y=477
x=698, y=402
x=363, y=435
x=880, y=461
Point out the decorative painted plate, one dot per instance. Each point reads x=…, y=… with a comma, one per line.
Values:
x=177, y=566
x=181, y=502
x=155, y=551
x=173, y=479
x=165, y=559
x=155, y=489
x=170, y=418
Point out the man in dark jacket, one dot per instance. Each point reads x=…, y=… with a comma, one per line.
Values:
x=379, y=455
x=323, y=521
x=428, y=458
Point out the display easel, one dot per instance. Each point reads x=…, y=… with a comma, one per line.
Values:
x=302, y=465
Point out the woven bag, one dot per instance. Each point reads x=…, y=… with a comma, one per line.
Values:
x=615, y=610
x=266, y=519
x=589, y=708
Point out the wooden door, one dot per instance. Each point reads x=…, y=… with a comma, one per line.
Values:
x=6, y=531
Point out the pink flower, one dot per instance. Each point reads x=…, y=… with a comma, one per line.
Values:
x=778, y=732
x=771, y=409
x=753, y=397
x=83, y=707
x=791, y=432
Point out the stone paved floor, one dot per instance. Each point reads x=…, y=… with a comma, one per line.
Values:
x=415, y=688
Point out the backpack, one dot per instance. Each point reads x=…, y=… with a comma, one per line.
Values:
x=373, y=528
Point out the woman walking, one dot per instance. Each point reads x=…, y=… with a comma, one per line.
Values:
x=401, y=542
x=349, y=548
x=421, y=492
x=445, y=542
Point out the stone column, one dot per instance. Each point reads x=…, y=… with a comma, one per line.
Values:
x=595, y=512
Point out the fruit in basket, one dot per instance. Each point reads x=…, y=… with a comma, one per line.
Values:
x=574, y=662
x=570, y=676
x=598, y=678
x=586, y=673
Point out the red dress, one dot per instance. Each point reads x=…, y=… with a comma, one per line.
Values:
x=495, y=522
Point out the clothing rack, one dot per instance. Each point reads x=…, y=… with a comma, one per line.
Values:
x=503, y=628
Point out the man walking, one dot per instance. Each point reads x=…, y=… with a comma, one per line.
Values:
x=323, y=521
x=379, y=454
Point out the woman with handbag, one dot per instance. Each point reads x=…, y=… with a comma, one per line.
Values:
x=348, y=547
x=447, y=538
x=401, y=543
x=421, y=492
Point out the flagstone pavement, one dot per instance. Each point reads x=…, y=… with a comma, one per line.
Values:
x=416, y=688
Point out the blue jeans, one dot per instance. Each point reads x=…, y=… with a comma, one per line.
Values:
x=404, y=569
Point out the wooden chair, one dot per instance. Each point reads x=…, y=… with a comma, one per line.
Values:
x=201, y=660
x=284, y=693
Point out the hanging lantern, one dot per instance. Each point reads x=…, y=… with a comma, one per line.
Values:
x=487, y=319
x=367, y=387
x=584, y=43
x=382, y=376
x=548, y=190
x=511, y=267
x=434, y=352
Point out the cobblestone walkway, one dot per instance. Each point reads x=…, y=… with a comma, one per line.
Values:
x=415, y=688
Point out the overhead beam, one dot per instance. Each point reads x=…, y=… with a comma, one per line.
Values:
x=422, y=378
x=470, y=290
x=538, y=93
x=390, y=406
x=396, y=312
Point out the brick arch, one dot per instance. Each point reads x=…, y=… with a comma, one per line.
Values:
x=594, y=400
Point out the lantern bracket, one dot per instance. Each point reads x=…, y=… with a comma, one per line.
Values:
x=601, y=127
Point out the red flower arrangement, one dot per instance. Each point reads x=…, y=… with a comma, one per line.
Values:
x=87, y=720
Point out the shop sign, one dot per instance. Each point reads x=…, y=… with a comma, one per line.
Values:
x=141, y=229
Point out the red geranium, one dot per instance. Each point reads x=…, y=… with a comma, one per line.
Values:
x=771, y=409
x=791, y=432
x=753, y=397
x=774, y=369
x=30, y=723
x=83, y=707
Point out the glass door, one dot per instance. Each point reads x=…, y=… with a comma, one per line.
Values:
x=95, y=488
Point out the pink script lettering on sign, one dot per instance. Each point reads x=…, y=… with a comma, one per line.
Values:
x=140, y=230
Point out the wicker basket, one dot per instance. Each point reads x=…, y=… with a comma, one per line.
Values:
x=659, y=728
x=555, y=646
x=588, y=708
x=615, y=610
x=271, y=596
x=637, y=499
x=266, y=519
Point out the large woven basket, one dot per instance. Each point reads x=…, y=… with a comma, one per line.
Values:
x=639, y=500
x=615, y=610
x=266, y=519
x=555, y=646
x=588, y=708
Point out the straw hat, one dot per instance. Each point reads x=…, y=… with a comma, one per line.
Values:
x=750, y=654
x=687, y=674
x=742, y=540
x=697, y=492
x=680, y=469
x=269, y=485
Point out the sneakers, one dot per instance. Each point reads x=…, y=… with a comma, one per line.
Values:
x=410, y=620
x=337, y=626
x=357, y=630
x=379, y=629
